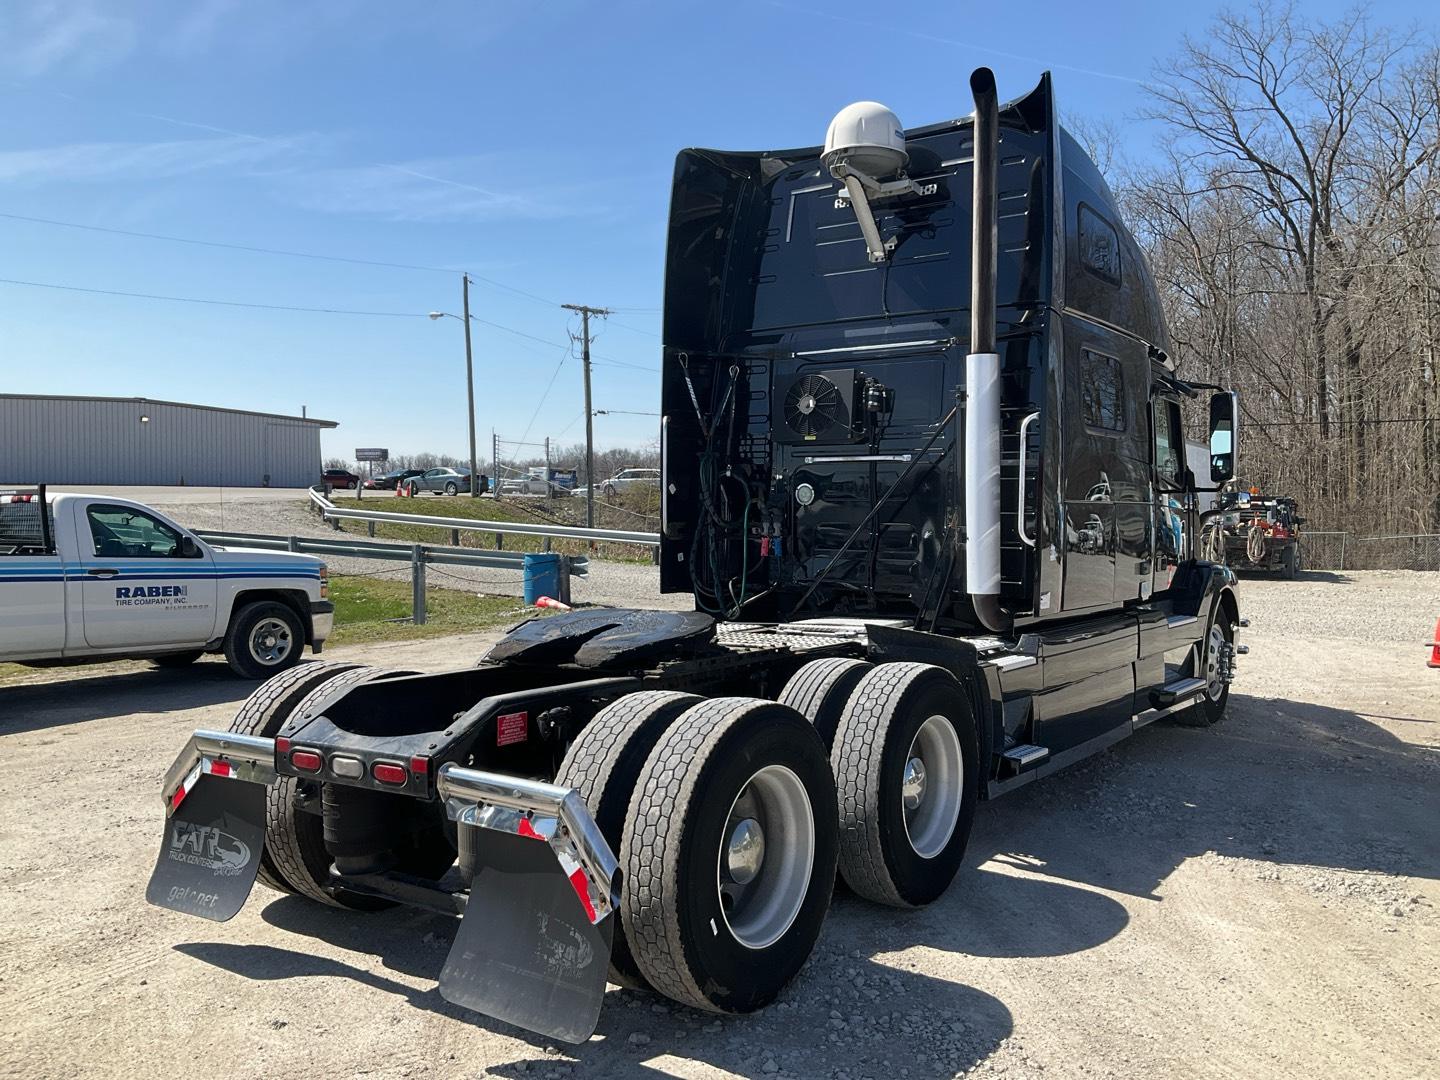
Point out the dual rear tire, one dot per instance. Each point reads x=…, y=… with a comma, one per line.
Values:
x=730, y=818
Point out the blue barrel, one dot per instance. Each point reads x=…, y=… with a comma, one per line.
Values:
x=542, y=576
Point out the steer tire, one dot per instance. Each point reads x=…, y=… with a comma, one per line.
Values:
x=882, y=721
x=264, y=713
x=295, y=830
x=603, y=765
x=1209, y=709
x=176, y=660
x=820, y=689
x=676, y=831
x=237, y=639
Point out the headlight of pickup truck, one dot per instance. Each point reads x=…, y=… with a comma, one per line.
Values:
x=324, y=582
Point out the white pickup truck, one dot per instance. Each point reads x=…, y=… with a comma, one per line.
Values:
x=101, y=578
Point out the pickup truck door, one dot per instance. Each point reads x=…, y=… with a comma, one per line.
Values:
x=136, y=586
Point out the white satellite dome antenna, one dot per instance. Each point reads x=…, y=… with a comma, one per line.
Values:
x=865, y=145
x=868, y=137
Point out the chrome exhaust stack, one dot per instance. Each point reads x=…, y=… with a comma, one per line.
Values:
x=982, y=374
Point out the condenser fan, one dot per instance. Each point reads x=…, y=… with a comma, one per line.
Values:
x=815, y=407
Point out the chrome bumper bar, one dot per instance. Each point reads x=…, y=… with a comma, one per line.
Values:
x=218, y=753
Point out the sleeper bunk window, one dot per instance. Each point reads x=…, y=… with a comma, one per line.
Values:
x=1099, y=246
x=1102, y=391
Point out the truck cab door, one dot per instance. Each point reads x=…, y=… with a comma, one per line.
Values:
x=143, y=581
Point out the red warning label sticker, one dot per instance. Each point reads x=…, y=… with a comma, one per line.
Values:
x=511, y=728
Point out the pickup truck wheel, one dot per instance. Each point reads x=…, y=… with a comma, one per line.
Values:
x=729, y=854
x=264, y=638
x=906, y=767
x=265, y=712
x=177, y=660
x=603, y=765
x=1205, y=662
x=295, y=829
x=820, y=689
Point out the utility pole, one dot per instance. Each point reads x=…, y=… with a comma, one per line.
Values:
x=585, y=313
x=495, y=459
x=549, y=491
x=470, y=390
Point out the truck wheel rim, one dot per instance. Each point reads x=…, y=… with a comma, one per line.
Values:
x=932, y=786
x=767, y=853
x=270, y=641
x=1214, y=684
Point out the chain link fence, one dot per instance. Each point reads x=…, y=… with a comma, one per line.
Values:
x=1324, y=550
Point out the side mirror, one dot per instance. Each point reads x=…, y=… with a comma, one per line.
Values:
x=188, y=548
x=1224, y=435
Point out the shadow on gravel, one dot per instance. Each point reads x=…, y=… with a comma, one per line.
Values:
x=1278, y=781
x=38, y=706
x=846, y=1011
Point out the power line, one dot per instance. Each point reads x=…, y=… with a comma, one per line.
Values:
x=219, y=303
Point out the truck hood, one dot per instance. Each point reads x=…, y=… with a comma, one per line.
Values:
x=242, y=557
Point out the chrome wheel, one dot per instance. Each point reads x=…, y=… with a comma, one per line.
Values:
x=271, y=641
x=932, y=786
x=767, y=852
x=1214, y=679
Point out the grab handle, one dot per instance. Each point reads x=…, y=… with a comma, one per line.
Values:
x=1029, y=541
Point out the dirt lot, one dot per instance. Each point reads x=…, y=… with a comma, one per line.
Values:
x=1254, y=900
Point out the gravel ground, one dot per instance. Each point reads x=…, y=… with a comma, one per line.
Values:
x=1254, y=900
x=616, y=584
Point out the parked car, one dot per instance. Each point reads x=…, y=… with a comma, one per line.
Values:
x=540, y=481
x=629, y=479
x=341, y=478
x=391, y=480
x=439, y=481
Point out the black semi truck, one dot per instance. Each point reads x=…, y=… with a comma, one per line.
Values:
x=924, y=475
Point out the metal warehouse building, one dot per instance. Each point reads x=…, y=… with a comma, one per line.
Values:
x=102, y=440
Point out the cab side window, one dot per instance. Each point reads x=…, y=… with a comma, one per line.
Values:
x=1169, y=444
x=124, y=533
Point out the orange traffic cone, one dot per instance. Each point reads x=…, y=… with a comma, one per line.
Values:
x=1434, y=660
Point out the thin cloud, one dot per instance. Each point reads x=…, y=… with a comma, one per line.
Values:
x=40, y=38
x=421, y=191
x=117, y=161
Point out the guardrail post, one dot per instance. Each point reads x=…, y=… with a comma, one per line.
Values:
x=454, y=537
x=417, y=585
x=499, y=541
x=372, y=528
x=563, y=584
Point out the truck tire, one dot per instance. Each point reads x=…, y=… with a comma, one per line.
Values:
x=906, y=768
x=264, y=713
x=718, y=915
x=295, y=836
x=820, y=689
x=177, y=660
x=1288, y=563
x=265, y=637
x=603, y=765
x=1209, y=708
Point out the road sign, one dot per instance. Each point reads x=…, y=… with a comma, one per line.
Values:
x=371, y=453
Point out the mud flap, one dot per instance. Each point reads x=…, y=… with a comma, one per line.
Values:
x=527, y=952
x=211, y=850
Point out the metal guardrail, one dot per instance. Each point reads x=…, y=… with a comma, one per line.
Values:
x=417, y=555
x=331, y=512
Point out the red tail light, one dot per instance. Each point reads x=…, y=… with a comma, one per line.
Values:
x=220, y=768
x=419, y=765
x=306, y=760
x=282, y=746
x=387, y=772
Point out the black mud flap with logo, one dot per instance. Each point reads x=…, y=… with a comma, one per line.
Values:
x=211, y=850
x=526, y=952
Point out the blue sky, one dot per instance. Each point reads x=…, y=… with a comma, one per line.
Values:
x=530, y=143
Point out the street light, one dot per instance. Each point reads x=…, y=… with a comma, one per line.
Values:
x=435, y=316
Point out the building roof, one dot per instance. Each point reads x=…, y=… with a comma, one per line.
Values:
x=173, y=404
